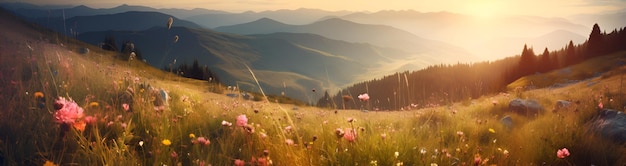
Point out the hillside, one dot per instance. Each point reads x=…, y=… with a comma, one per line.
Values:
x=320, y=63
x=587, y=73
x=65, y=106
x=379, y=35
x=460, y=82
x=300, y=62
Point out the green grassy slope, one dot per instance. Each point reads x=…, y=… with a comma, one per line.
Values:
x=153, y=133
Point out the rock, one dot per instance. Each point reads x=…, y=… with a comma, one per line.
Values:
x=162, y=98
x=507, y=121
x=610, y=124
x=246, y=96
x=84, y=50
x=525, y=107
x=562, y=105
x=232, y=95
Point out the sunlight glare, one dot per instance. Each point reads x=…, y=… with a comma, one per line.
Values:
x=483, y=8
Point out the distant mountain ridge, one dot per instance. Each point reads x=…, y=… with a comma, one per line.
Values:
x=299, y=61
x=306, y=48
x=380, y=35
x=552, y=40
x=467, y=31
x=296, y=17
x=35, y=11
x=457, y=29
x=130, y=21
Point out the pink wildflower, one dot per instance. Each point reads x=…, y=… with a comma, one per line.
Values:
x=601, y=106
x=174, y=154
x=203, y=141
x=159, y=108
x=289, y=142
x=90, y=120
x=125, y=106
x=260, y=161
x=477, y=159
x=67, y=111
x=350, y=135
x=239, y=162
x=364, y=97
x=562, y=153
x=242, y=120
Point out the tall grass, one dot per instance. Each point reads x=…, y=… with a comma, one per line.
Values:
x=166, y=131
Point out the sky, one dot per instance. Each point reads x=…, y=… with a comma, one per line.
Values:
x=482, y=8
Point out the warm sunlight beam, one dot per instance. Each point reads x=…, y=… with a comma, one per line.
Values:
x=484, y=8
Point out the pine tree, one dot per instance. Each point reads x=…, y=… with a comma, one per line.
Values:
x=596, y=44
x=546, y=63
x=109, y=44
x=527, y=63
x=570, y=54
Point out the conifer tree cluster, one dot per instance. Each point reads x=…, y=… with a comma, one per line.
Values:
x=443, y=84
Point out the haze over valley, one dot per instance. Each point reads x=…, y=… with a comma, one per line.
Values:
x=296, y=50
x=312, y=82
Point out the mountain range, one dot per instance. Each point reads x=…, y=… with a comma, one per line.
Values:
x=464, y=31
x=472, y=33
x=283, y=62
x=294, y=51
x=129, y=21
x=297, y=17
x=380, y=35
x=33, y=11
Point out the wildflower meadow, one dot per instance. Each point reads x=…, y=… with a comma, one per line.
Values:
x=62, y=107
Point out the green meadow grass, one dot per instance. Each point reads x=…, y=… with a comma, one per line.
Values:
x=464, y=133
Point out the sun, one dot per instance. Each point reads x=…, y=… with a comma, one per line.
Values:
x=484, y=8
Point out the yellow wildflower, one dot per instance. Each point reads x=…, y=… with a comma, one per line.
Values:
x=166, y=142
x=49, y=163
x=192, y=135
x=38, y=95
x=94, y=104
x=492, y=130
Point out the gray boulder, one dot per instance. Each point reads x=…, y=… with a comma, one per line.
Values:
x=610, y=124
x=525, y=107
x=562, y=105
x=507, y=121
x=84, y=50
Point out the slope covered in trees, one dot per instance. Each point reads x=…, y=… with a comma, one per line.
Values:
x=443, y=84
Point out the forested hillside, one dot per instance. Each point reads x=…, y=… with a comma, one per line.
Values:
x=443, y=84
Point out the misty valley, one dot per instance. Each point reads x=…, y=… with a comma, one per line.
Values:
x=138, y=85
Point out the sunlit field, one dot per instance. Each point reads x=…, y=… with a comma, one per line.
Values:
x=66, y=106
